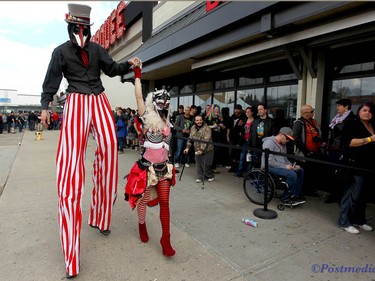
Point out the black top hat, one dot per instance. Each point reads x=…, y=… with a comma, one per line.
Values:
x=78, y=14
x=345, y=102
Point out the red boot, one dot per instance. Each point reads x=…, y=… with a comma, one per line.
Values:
x=143, y=232
x=165, y=242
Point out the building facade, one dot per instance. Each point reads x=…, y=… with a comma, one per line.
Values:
x=284, y=54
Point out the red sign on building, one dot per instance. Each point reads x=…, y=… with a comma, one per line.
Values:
x=212, y=4
x=112, y=29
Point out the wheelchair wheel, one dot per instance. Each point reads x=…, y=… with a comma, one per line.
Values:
x=281, y=206
x=254, y=184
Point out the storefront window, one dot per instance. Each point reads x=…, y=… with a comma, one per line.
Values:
x=356, y=89
x=187, y=89
x=174, y=103
x=250, y=97
x=202, y=100
x=224, y=84
x=225, y=99
x=282, y=102
x=283, y=77
x=173, y=91
x=186, y=100
x=357, y=67
x=249, y=81
x=204, y=87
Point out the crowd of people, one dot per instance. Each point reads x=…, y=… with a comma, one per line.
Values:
x=17, y=122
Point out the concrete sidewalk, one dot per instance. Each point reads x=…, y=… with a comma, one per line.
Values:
x=210, y=240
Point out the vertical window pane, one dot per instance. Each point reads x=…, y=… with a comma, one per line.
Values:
x=186, y=100
x=202, y=100
x=204, y=87
x=173, y=91
x=187, y=89
x=173, y=103
x=282, y=99
x=250, y=97
x=225, y=99
x=356, y=89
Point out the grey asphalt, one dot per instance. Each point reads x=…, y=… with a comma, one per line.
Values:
x=210, y=240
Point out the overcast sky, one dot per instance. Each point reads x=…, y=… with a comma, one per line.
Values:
x=29, y=31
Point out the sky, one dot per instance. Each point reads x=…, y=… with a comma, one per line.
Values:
x=29, y=31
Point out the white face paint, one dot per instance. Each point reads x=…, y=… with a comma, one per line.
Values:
x=81, y=33
x=161, y=99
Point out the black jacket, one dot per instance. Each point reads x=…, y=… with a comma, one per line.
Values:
x=66, y=61
x=335, y=135
x=269, y=130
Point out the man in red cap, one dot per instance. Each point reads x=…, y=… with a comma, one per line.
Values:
x=86, y=110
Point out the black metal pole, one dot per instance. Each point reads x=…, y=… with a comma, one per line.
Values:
x=265, y=213
x=266, y=155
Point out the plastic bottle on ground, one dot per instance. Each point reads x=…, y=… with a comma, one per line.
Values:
x=250, y=222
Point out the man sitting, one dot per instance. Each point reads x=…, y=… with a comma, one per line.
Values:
x=280, y=165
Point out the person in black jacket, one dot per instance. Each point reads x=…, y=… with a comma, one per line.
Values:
x=263, y=126
x=86, y=110
x=236, y=138
x=358, y=139
x=335, y=147
x=32, y=119
x=182, y=126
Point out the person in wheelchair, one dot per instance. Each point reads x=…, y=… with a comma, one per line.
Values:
x=279, y=165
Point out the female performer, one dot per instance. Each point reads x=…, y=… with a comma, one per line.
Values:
x=151, y=177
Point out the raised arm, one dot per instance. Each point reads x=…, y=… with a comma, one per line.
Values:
x=138, y=89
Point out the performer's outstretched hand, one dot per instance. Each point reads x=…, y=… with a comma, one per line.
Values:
x=137, y=71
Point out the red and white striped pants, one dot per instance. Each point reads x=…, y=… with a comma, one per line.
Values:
x=85, y=114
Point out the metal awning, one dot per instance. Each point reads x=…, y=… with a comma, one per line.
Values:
x=199, y=37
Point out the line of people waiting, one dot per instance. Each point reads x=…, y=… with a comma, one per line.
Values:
x=254, y=128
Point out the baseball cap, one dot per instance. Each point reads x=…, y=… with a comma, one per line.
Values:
x=287, y=132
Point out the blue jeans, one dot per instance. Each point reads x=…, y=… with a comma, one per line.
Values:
x=294, y=179
x=353, y=203
x=181, y=145
x=243, y=165
x=120, y=141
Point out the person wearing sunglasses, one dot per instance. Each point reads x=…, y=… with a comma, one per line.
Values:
x=309, y=143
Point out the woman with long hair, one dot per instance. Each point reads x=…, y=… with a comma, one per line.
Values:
x=244, y=165
x=358, y=137
x=151, y=177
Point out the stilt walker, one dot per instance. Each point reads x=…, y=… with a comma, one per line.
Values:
x=86, y=111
